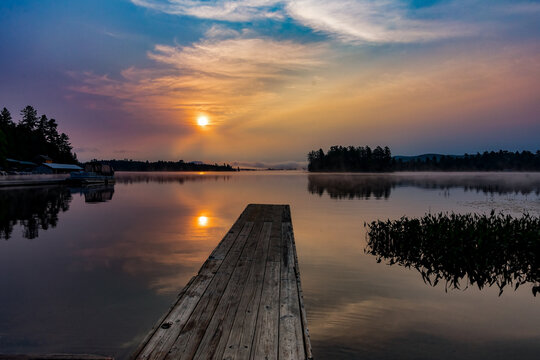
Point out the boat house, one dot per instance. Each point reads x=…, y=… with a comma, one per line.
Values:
x=18, y=165
x=53, y=168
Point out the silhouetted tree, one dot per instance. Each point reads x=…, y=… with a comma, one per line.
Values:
x=3, y=148
x=341, y=158
x=5, y=119
x=34, y=136
x=133, y=165
x=29, y=118
x=351, y=158
x=51, y=132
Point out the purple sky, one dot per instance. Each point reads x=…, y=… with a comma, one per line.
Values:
x=129, y=79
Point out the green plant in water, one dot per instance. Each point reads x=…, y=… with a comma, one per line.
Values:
x=486, y=250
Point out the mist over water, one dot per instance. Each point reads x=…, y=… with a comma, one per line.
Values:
x=92, y=270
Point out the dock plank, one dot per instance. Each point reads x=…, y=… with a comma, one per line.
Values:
x=213, y=344
x=191, y=335
x=240, y=340
x=291, y=338
x=164, y=334
x=245, y=302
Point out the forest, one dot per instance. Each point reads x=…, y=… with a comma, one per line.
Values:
x=340, y=158
x=134, y=165
x=364, y=159
x=33, y=135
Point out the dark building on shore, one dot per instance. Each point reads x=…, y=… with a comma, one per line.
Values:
x=53, y=168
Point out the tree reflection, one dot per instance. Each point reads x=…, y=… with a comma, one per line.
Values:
x=166, y=177
x=32, y=208
x=365, y=186
x=95, y=194
x=38, y=208
x=485, y=250
x=341, y=187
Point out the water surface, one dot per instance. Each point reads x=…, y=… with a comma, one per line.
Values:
x=92, y=270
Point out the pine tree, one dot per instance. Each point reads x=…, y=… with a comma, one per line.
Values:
x=29, y=118
x=3, y=148
x=5, y=119
x=51, y=132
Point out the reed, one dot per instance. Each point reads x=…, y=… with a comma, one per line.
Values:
x=480, y=249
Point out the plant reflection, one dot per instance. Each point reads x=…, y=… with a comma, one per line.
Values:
x=484, y=250
x=365, y=186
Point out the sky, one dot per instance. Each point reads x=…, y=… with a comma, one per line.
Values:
x=275, y=78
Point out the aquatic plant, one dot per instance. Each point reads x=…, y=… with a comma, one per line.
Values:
x=485, y=250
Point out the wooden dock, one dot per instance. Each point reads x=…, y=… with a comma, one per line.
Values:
x=245, y=302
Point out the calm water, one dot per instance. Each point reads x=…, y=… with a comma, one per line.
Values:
x=91, y=271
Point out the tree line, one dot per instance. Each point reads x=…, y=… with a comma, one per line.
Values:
x=340, y=158
x=134, y=165
x=501, y=160
x=33, y=135
x=364, y=159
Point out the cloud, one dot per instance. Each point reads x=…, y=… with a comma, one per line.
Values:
x=221, y=77
x=361, y=21
x=124, y=151
x=237, y=11
x=221, y=32
x=380, y=21
x=86, y=150
x=372, y=21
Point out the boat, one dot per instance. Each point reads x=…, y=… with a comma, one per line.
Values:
x=93, y=173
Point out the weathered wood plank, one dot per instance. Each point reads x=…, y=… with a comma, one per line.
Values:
x=239, y=342
x=307, y=340
x=215, y=338
x=163, y=336
x=265, y=342
x=291, y=338
x=191, y=335
x=287, y=220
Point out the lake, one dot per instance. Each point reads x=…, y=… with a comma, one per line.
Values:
x=92, y=270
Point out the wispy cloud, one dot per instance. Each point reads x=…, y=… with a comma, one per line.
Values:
x=222, y=77
x=362, y=21
x=372, y=21
x=238, y=11
x=379, y=21
x=86, y=150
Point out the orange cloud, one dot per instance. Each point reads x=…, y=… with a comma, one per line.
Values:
x=260, y=94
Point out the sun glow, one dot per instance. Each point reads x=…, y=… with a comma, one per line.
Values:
x=202, y=121
x=202, y=221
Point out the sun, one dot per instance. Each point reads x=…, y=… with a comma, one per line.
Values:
x=202, y=221
x=202, y=121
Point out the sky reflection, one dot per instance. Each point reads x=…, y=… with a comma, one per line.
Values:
x=99, y=279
